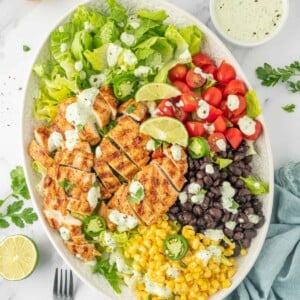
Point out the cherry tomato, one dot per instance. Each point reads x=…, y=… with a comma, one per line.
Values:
x=178, y=73
x=210, y=69
x=235, y=87
x=217, y=142
x=201, y=59
x=235, y=119
x=241, y=108
x=166, y=108
x=224, y=108
x=194, y=79
x=157, y=153
x=234, y=136
x=220, y=124
x=189, y=103
x=183, y=87
x=180, y=114
x=213, y=114
x=213, y=96
x=256, y=134
x=195, y=128
x=225, y=73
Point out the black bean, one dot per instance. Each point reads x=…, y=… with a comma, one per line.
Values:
x=200, y=174
x=208, y=218
x=242, y=149
x=208, y=181
x=246, y=243
x=261, y=222
x=239, y=184
x=201, y=222
x=233, y=179
x=186, y=217
x=228, y=232
x=216, y=191
x=207, y=159
x=238, y=156
x=200, y=182
x=192, y=173
x=217, y=182
x=235, y=170
x=238, y=236
x=245, y=173
x=234, y=217
x=248, y=159
x=249, y=211
x=172, y=217
x=237, y=250
x=197, y=164
x=244, y=192
x=197, y=210
x=205, y=203
x=247, y=225
x=221, y=227
x=187, y=206
x=223, y=174
x=193, y=179
x=230, y=154
x=248, y=197
x=250, y=234
x=193, y=221
x=211, y=225
x=174, y=209
x=215, y=213
x=226, y=218
x=215, y=175
x=210, y=195
x=217, y=204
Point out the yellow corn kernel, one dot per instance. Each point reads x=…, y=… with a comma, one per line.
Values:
x=207, y=273
x=206, y=241
x=230, y=272
x=211, y=291
x=222, y=276
x=183, y=297
x=204, y=285
x=189, y=277
x=243, y=252
x=170, y=284
x=195, y=243
x=226, y=283
x=215, y=283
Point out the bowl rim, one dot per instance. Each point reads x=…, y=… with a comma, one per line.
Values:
x=50, y=233
x=246, y=44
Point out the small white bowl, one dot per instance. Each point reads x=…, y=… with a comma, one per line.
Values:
x=225, y=35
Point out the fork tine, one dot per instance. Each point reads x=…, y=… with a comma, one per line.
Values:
x=66, y=284
x=55, y=285
x=61, y=284
x=71, y=285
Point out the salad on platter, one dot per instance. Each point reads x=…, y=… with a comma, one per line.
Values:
x=144, y=149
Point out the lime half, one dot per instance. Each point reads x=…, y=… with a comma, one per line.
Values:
x=18, y=257
x=156, y=91
x=166, y=129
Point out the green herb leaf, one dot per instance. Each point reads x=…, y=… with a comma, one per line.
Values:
x=14, y=207
x=28, y=215
x=131, y=108
x=79, y=127
x=1, y=202
x=234, y=205
x=3, y=223
x=256, y=186
x=26, y=48
x=289, y=107
x=66, y=185
x=17, y=221
x=107, y=128
x=18, y=183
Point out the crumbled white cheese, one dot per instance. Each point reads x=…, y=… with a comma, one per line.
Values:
x=129, y=58
x=134, y=22
x=198, y=199
x=142, y=71
x=230, y=225
x=214, y=234
x=172, y=272
x=183, y=197
x=209, y=169
x=203, y=110
x=155, y=289
x=64, y=233
x=112, y=54
x=71, y=139
x=210, y=128
x=227, y=196
x=194, y=188
x=78, y=66
x=221, y=144
x=127, y=38
x=253, y=218
x=55, y=141
x=123, y=221
x=176, y=152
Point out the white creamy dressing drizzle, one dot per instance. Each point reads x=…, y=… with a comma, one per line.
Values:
x=230, y=225
x=112, y=54
x=117, y=258
x=134, y=22
x=221, y=144
x=203, y=110
x=63, y=47
x=129, y=58
x=214, y=234
x=172, y=272
x=197, y=199
x=98, y=152
x=72, y=138
x=150, y=146
x=142, y=71
x=248, y=20
x=97, y=80
x=78, y=66
x=64, y=233
x=183, y=197
x=93, y=196
x=253, y=218
x=55, y=141
x=247, y=125
x=233, y=102
x=227, y=196
x=194, y=188
x=123, y=221
x=127, y=38
x=209, y=169
x=155, y=289
x=176, y=152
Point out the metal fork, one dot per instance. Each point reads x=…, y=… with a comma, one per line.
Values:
x=58, y=291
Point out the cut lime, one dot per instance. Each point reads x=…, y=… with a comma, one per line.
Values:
x=166, y=129
x=156, y=91
x=18, y=257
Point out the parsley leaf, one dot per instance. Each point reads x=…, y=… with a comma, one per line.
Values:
x=270, y=76
x=18, y=183
x=26, y=48
x=289, y=107
x=28, y=215
x=3, y=223
x=66, y=185
x=17, y=221
x=14, y=207
x=104, y=131
x=131, y=108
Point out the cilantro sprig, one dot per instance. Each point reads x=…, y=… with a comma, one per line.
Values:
x=15, y=211
x=289, y=107
x=271, y=76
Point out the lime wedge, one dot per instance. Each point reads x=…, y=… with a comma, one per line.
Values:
x=156, y=91
x=18, y=257
x=166, y=129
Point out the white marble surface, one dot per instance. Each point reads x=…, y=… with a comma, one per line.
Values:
x=27, y=22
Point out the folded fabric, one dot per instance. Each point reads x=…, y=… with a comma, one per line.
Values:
x=276, y=273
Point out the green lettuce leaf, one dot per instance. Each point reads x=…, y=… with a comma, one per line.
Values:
x=144, y=53
x=182, y=52
x=108, y=33
x=253, y=104
x=86, y=18
x=162, y=75
x=48, y=70
x=159, y=15
x=82, y=41
x=193, y=36
x=143, y=32
x=256, y=186
x=97, y=57
x=117, y=11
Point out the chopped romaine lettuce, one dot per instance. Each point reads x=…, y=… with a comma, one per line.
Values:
x=253, y=105
x=159, y=15
x=117, y=11
x=108, y=33
x=256, y=186
x=193, y=36
x=82, y=41
x=98, y=57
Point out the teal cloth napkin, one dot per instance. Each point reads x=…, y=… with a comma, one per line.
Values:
x=276, y=273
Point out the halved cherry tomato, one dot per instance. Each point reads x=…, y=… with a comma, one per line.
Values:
x=242, y=105
x=217, y=142
x=225, y=73
x=157, y=153
x=224, y=108
x=235, y=119
x=178, y=73
x=212, y=96
x=166, y=108
x=183, y=87
x=235, y=87
x=194, y=79
x=213, y=114
x=210, y=69
x=256, y=134
x=189, y=103
x=234, y=136
x=220, y=124
x=201, y=59
x=180, y=114
x=195, y=128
